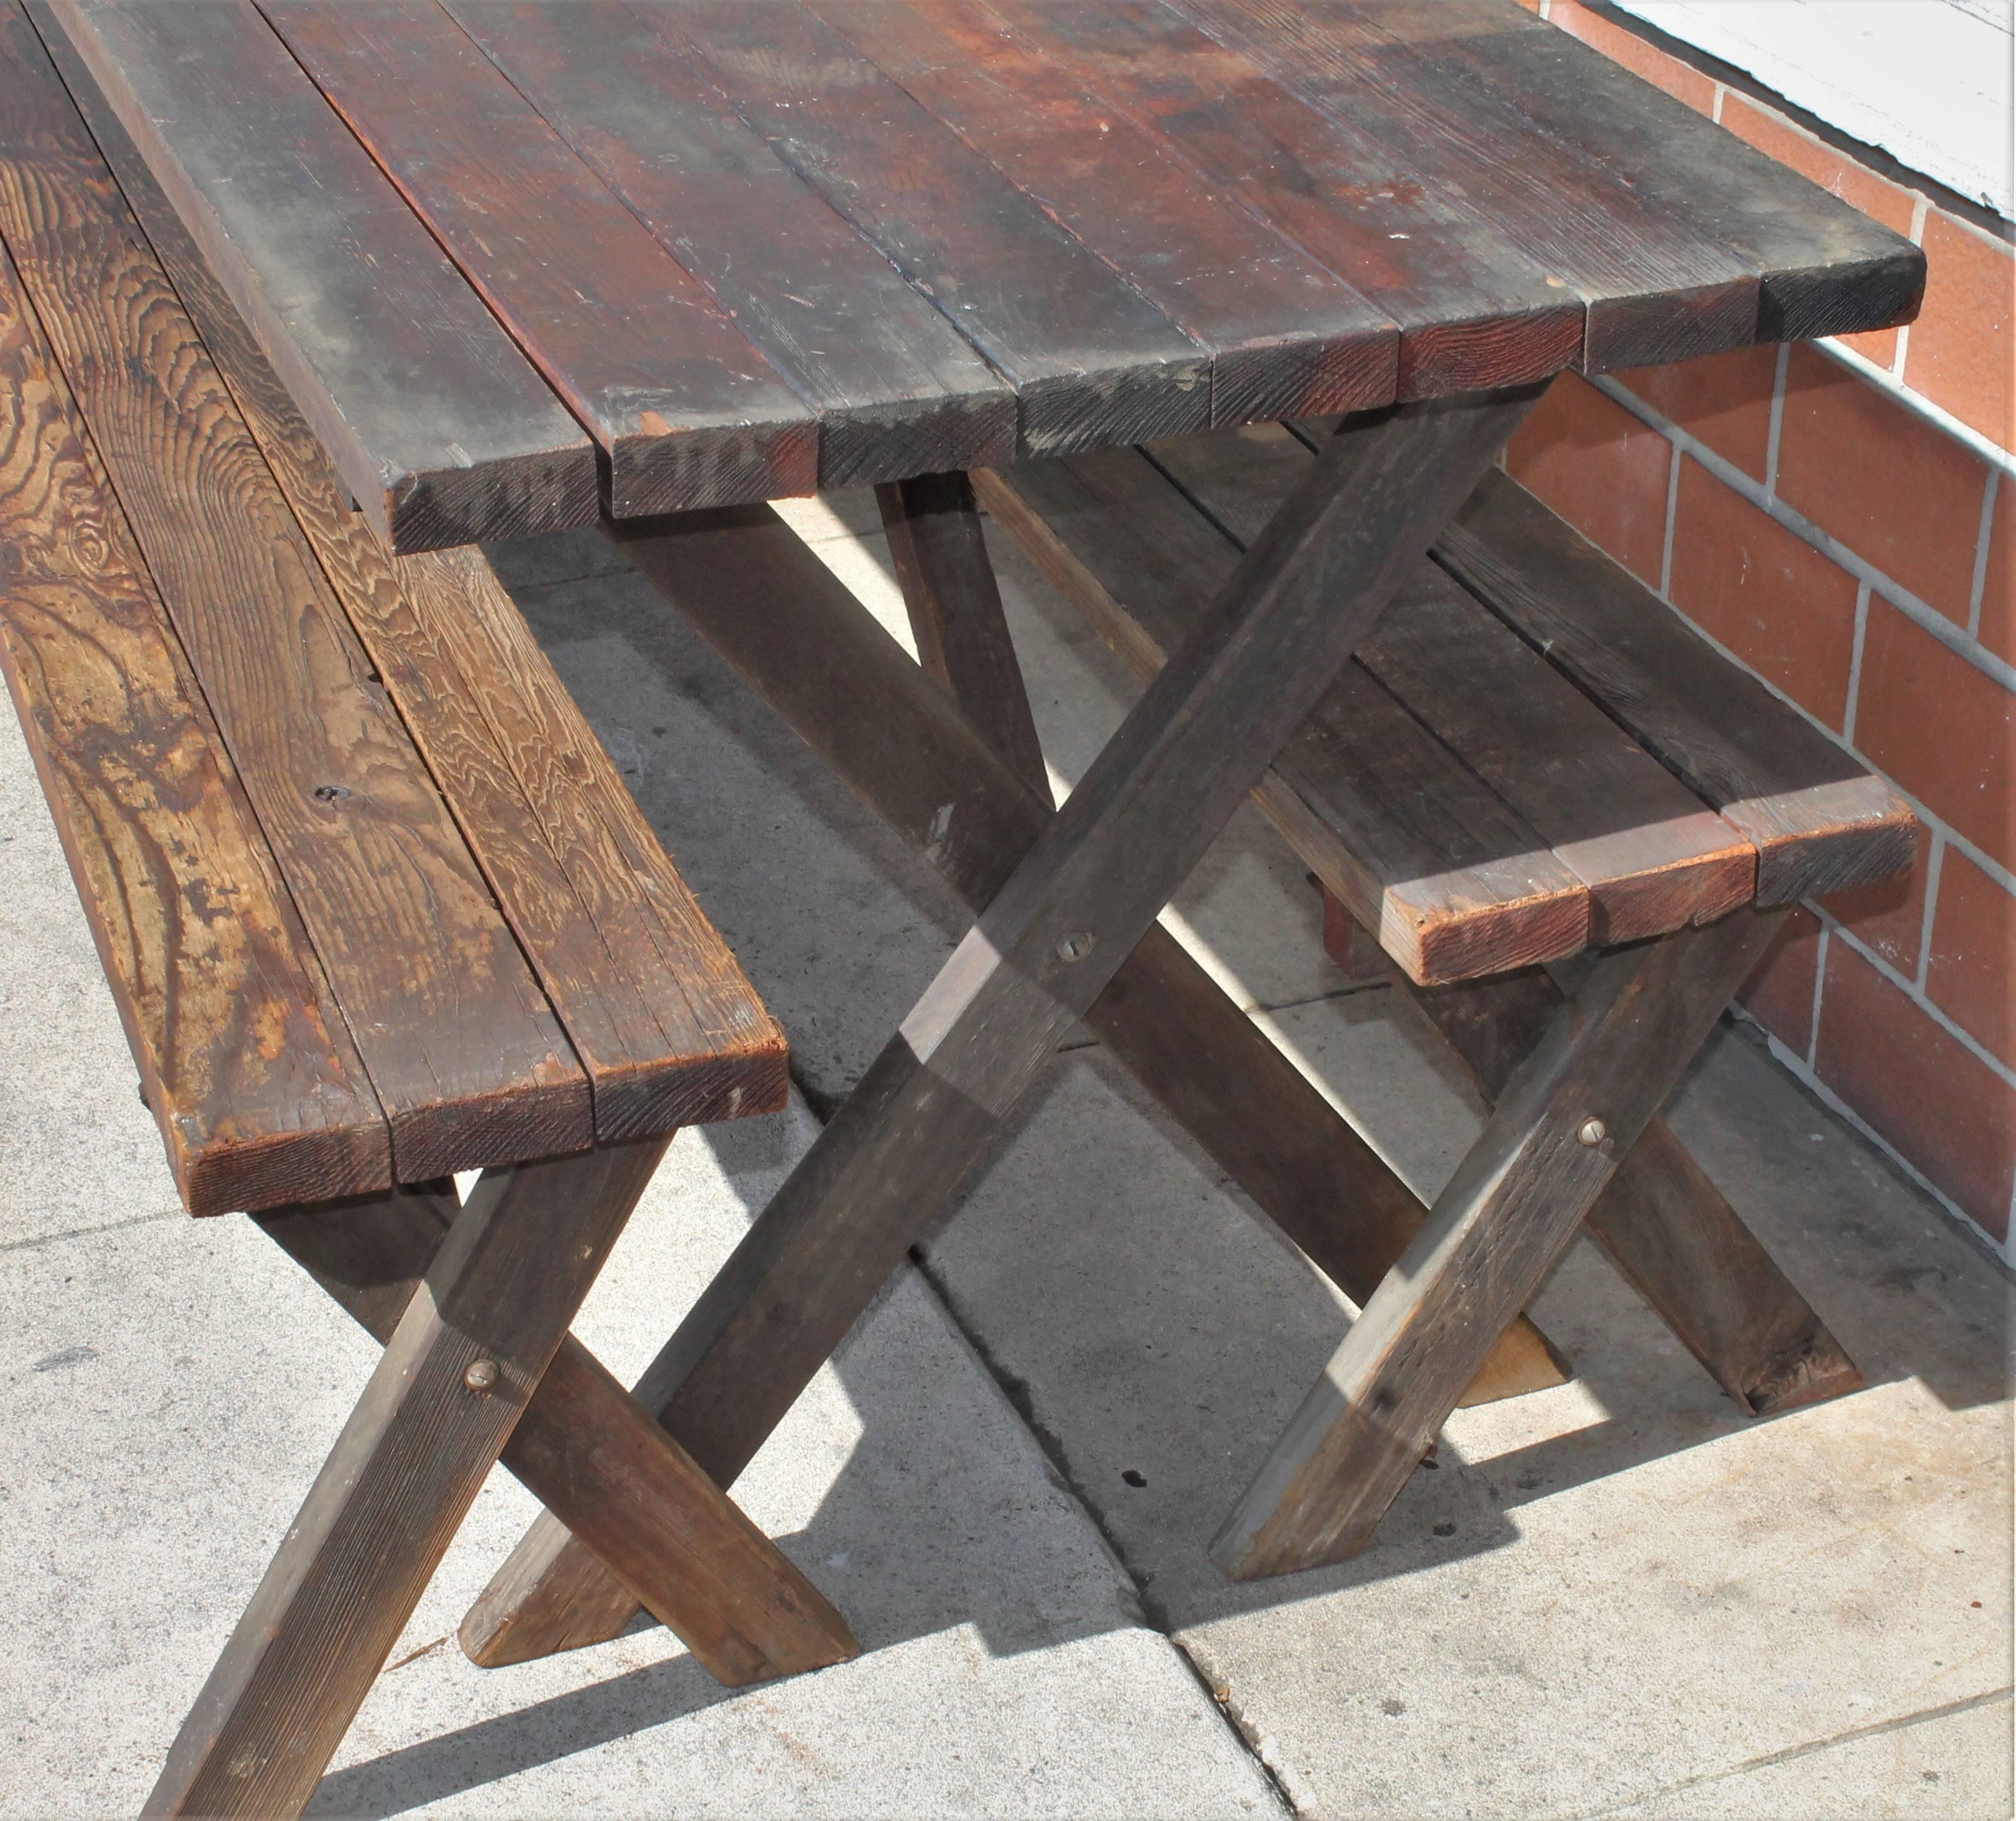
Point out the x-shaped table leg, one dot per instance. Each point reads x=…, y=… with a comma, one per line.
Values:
x=1059, y=928
x=473, y=1349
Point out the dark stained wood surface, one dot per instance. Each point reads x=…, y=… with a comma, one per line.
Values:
x=687, y=412
x=1093, y=360
x=441, y=432
x=1819, y=820
x=460, y=1046
x=755, y=244
x=898, y=389
x=245, y=1061
x=1277, y=324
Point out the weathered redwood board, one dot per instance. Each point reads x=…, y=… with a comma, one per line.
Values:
x=757, y=244
x=246, y=1062
x=898, y=389
x=442, y=433
x=687, y=413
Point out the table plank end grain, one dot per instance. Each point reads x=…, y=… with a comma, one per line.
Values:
x=1818, y=819
x=244, y=1060
x=659, y=1015
x=685, y=412
x=459, y=1042
x=443, y=432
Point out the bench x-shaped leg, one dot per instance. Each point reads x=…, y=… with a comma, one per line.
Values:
x=482, y=1337
x=1573, y=1109
x=1049, y=941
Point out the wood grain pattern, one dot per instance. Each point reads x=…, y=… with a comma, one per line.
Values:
x=1818, y=819
x=1654, y=288
x=1277, y=324
x=460, y=1046
x=686, y=411
x=443, y=433
x=245, y=1061
x=1454, y=882
x=1513, y=1204
x=1827, y=269
x=1091, y=360
x=585, y=1450
x=1472, y=310
x=657, y=1012
x=409, y=1463
x=898, y=390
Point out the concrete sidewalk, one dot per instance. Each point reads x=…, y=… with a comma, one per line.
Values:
x=1618, y=1598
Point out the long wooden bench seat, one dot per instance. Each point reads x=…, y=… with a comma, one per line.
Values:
x=1531, y=757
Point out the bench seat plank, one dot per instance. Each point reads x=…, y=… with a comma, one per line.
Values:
x=245, y=1062
x=443, y=431
x=1819, y=820
x=669, y=1032
x=461, y=1046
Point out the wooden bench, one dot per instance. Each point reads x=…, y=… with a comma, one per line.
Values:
x=375, y=908
x=1532, y=758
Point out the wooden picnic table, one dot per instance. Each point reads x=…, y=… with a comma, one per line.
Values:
x=522, y=267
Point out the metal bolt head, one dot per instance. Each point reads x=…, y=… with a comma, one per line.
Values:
x=1593, y=1131
x=329, y=793
x=1074, y=947
x=480, y=1374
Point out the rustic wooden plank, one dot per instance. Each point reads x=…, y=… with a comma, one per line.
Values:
x=686, y=411
x=1828, y=268
x=443, y=433
x=1654, y=288
x=1473, y=312
x=499, y=1295
x=585, y=1450
x=1818, y=819
x=1046, y=947
x=245, y=1061
x=658, y=1012
x=1091, y=361
x=898, y=390
x=1454, y=882
x=459, y=1044
x=1514, y=1203
x=1277, y=324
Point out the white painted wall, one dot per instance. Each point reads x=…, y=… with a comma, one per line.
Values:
x=1928, y=80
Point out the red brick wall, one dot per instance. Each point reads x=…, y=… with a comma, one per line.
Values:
x=1846, y=529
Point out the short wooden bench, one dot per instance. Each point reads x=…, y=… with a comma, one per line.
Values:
x=1530, y=757
x=375, y=908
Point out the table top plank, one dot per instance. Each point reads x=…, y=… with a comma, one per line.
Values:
x=687, y=412
x=1277, y=324
x=1828, y=268
x=1472, y=310
x=1655, y=289
x=898, y=389
x=442, y=432
x=459, y=1042
x=244, y=1059
x=1093, y=360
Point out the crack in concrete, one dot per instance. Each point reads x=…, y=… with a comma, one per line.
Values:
x=84, y=1233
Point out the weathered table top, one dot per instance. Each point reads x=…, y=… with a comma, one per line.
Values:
x=521, y=264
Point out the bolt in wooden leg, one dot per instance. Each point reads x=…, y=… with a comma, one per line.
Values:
x=1572, y=1111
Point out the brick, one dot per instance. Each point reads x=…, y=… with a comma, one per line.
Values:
x=1971, y=974
x=1856, y=184
x=1724, y=401
x=1958, y=352
x=1897, y=490
x=1780, y=994
x=1597, y=466
x=1941, y=728
x=1623, y=46
x=1780, y=606
x=1945, y=1110
x=1997, y=629
x=1889, y=916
